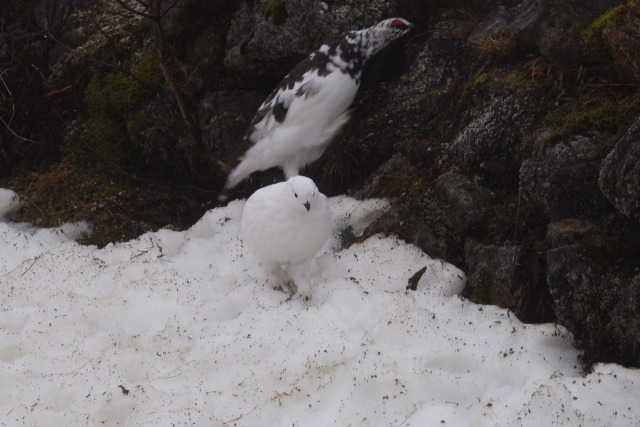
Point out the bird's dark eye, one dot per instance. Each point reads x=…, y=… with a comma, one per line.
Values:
x=295, y=194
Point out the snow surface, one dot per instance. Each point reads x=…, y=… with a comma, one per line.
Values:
x=184, y=328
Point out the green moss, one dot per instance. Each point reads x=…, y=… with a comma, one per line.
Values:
x=119, y=93
x=277, y=11
x=479, y=78
x=102, y=136
x=521, y=82
x=600, y=114
x=478, y=88
x=594, y=48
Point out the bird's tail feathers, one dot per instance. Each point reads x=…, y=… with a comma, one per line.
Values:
x=242, y=171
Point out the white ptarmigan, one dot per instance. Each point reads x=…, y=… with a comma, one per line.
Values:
x=296, y=123
x=285, y=225
x=9, y=203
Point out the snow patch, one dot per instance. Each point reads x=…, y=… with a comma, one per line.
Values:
x=184, y=328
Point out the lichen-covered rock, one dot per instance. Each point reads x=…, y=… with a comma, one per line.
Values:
x=600, y=307
x=467, y=202
x=490, y=144
x=269, y=36
x=620, y=174
x=613, y=41
x=570, y=281
x=624, y=322
x=378, y=184
x=510, y=276
x=434, y=67
x=427, y=86
x=551, y=28
x=623, y=38
x=394, y=179
x=491, y=275
x=563, y=178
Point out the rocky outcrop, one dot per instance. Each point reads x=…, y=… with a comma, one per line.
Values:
x=602, y=308
x=490, y=143
x=620, y=174
x=563, y=177
x=620, y=35
x=467, y=203
x=546, y=27
x=493, y=272
x=269, y=37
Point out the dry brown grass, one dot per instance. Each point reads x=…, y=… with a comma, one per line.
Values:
x=500, y=45
x=464, y=26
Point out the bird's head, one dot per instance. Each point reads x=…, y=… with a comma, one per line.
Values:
x=376, y=38
x=398, y=27
x=303, y=192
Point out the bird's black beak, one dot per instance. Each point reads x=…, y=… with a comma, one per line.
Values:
x=307, y=205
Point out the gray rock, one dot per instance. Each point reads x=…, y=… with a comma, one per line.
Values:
x=624, y=322
x=467, y=202
x=620, y=174
x=378, y=183
x=552, y=28
x=399, y=219
x=437, y=64
x=601, y=307
x=621, y=35
x=563, y=178
x=494, y=25
x=256, y=45
x=491, y=275
x=570, y=280
x=490, y=144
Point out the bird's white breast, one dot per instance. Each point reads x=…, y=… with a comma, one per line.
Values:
x=276, y=232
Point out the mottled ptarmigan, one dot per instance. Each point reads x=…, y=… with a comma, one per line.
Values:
x=294, y=125
x=285, y=225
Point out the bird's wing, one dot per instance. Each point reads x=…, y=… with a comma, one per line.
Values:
x=302, y=81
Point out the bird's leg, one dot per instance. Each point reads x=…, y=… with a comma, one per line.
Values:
x=284, y=282
x=287, y=284
x=276, y=272
x=302, y=281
